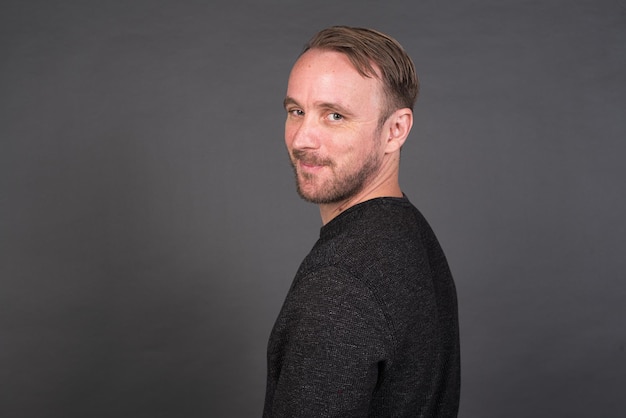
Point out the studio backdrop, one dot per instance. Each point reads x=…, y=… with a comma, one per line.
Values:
x=150, y=228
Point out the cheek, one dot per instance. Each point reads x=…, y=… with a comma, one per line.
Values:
x=361, y=150
x=291, y=129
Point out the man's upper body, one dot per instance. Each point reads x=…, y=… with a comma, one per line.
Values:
x=369, y=326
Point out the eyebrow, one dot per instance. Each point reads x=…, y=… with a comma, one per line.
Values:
x=322, y=105
x=290, y=101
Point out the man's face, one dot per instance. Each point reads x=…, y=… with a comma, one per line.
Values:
x=332, y=130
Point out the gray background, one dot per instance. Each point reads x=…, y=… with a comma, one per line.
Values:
x=149, y=226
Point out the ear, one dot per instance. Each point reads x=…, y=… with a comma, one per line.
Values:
x=400, y=124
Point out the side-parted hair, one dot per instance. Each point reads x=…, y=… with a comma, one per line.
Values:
x=369, y=51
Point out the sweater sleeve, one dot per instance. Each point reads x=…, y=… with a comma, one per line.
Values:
x=329, y=348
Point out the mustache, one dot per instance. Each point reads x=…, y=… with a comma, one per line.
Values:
x=310, y=158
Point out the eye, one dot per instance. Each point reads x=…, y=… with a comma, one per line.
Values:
x=295, y=112
x=335, y=116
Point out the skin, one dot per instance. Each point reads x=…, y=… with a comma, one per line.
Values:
x=340, y=153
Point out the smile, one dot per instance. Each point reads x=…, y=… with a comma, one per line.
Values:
x=310, y=166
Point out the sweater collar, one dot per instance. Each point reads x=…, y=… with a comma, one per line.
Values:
x=344, y=219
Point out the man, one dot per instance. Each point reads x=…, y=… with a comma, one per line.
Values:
x=369, y=327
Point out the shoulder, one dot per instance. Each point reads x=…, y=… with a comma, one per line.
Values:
x=380, y=217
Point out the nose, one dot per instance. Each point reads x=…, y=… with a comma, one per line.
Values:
x=302, y=133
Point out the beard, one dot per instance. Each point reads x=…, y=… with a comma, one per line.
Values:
x=344, y=183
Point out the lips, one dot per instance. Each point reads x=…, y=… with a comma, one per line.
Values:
x=310, y=166
x=307, y=168
x=310, y=163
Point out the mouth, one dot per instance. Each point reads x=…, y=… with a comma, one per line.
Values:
x=310, y=165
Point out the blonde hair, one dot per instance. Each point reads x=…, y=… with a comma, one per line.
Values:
x=369, y=51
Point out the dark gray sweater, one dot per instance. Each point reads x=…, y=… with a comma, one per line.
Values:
x=369, y=327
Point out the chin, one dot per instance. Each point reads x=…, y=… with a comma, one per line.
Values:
x=309, y=194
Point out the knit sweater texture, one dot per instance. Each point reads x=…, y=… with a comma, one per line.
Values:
x=369, y=327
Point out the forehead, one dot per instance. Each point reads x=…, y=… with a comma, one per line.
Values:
x=330, y=76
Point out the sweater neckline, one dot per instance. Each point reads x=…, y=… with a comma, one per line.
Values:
x=341, y=220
